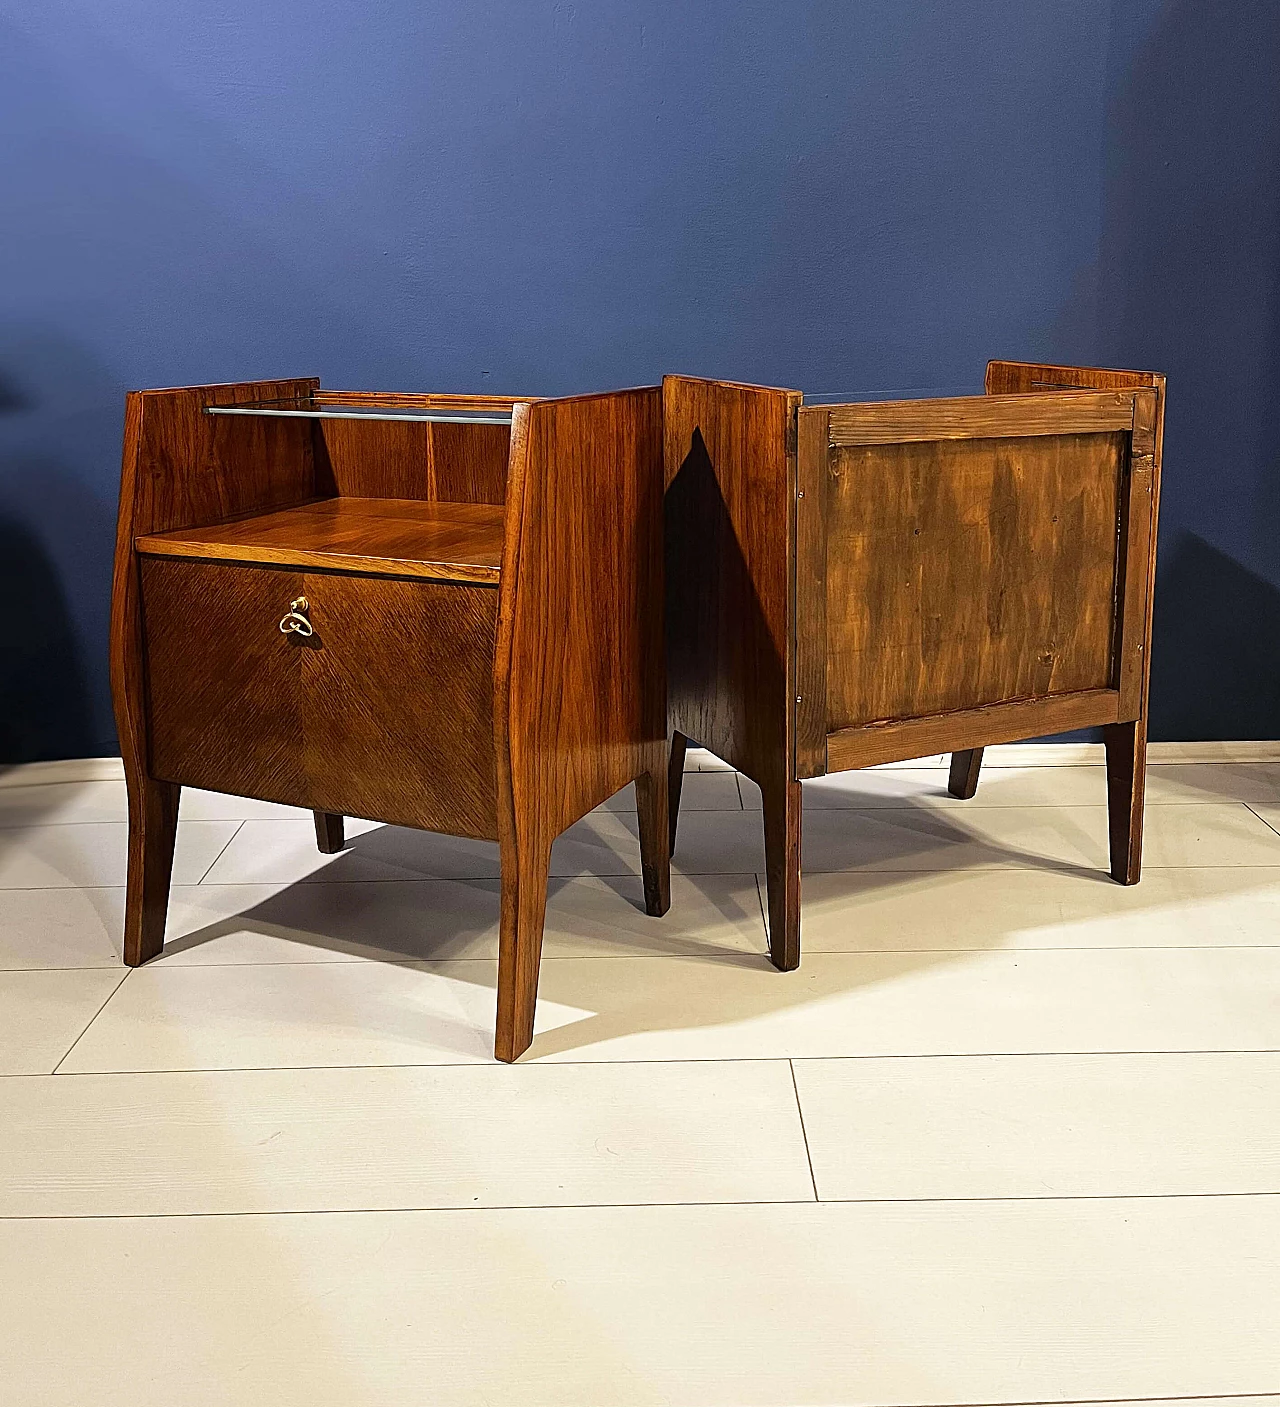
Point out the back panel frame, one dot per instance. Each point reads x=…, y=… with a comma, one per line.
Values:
x=938, y=461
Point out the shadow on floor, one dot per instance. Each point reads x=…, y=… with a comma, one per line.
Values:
x=368, y=902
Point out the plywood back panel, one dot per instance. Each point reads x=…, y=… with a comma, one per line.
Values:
x=962, y=572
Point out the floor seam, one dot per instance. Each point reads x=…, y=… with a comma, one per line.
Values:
x=66, y=1055
x=220, y=853
x=487, y=1063
x=707, y=955
x=804, y=1132
x=618, y=1206
x=320, y=877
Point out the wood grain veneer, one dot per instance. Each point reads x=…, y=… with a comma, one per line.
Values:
x=387, y=536
x=580, y=682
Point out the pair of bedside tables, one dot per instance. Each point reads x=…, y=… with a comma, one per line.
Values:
x=448, y=612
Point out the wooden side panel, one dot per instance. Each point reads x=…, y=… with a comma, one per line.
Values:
x=968, y=572
x=195, y=469
x=730, y=459
x=386, y=711
x=580, y=678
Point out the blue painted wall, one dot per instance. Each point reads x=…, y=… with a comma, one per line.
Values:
x=547, y=197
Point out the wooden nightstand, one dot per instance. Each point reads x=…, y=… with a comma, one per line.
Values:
x=434, y=611
x=857, y=584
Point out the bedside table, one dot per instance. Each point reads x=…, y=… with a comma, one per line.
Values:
x=432, y=611
x=856, y=584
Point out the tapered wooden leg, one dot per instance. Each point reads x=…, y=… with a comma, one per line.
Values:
x=524, y=908
x=329, y=836
x=1126, y=745
x=965, y=767
x=153, y=827
x=655, y=849
x=782, y=871
x=675, y=780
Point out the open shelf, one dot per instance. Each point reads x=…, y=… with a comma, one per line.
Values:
x=368, y=405
x=376, y=536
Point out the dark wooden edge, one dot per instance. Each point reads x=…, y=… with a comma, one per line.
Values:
x=981, y=417
x=128, y=693
x=517, y=475
x=809, y=636
x=1133, y=580
x=970, y=728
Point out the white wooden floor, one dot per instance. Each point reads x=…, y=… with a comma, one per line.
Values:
x=1010, y=1134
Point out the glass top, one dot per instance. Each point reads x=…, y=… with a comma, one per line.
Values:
x=322, y=407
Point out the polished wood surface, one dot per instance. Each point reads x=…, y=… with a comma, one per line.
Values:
x=386, y=536
x=362, y=621
x=967, y=572
x=416, y=459
x=579, y=669
x=328, y=722
x=730, y=456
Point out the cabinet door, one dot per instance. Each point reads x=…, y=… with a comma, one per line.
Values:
x=385, y=711
x=398, y=694
x=223, y=682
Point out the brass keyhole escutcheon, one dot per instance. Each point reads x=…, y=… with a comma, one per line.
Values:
x=296, y=622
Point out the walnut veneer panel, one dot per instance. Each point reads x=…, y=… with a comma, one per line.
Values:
x=581, y=690
x=416, y=459
x=384, y=536
x=967, y=572
x=386, y=711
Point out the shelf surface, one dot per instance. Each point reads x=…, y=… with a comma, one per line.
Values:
x=378, y=536
x=356, y=405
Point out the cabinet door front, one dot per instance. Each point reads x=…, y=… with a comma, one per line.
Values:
x=398, y=694
x=383, y=710
x=224, y=683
